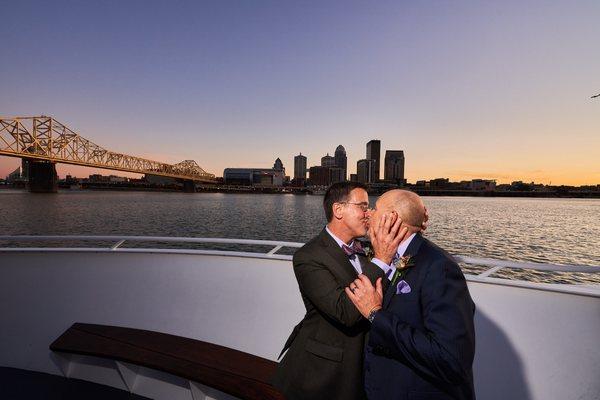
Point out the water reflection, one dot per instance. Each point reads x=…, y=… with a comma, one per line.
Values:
x=559, y=231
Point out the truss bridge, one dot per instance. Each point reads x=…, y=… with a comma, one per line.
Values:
x=43, y=141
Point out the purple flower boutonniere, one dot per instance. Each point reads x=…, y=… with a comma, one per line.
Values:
x=401, y=265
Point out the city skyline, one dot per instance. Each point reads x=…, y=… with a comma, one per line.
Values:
x=82, y=171
x=465, y=90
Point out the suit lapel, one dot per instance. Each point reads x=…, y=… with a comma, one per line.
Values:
x=368, y=268
x=342, y=262
x=412, y=250
x=387, y=297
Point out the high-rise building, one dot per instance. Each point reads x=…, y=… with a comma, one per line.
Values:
x=278, y=166
x=327, y=161
x=394, y=167
x=300, y=167
x=336, y=174
x=374, y=153
x=365, y=171
x=325, y=176
x=341, y=161
x=319, y=176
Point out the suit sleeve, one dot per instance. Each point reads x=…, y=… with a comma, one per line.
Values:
x=445, y=348
x=322, y=288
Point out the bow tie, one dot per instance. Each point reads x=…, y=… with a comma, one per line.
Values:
x=356, y=248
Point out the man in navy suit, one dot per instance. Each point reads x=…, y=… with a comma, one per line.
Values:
x=422, y=340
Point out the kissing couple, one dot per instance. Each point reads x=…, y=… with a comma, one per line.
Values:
x=391, y=320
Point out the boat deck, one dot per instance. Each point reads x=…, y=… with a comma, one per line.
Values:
x=534, y=340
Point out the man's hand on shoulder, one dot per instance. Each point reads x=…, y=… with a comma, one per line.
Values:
x=365, y=297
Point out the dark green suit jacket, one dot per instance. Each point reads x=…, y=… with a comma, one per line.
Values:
x=325, y=356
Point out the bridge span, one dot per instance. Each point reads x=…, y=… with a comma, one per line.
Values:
x=43, y=141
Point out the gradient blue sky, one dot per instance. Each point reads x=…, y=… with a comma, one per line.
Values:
x=477, y=89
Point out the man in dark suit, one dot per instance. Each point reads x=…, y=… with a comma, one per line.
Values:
x=422, y=339
x=325, y=356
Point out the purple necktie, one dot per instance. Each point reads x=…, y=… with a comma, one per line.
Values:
x=356, y=248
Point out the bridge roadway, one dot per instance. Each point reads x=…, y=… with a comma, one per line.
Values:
x=43, y=142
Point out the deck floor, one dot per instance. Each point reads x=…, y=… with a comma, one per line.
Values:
x=18, y=384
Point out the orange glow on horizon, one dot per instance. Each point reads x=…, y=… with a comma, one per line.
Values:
x=569, y=177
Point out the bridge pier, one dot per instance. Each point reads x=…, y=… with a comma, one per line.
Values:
x=42, y=176
x=189, y=186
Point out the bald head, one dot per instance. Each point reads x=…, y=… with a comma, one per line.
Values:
x=408, y=205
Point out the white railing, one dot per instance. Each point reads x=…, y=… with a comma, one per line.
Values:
x=116, y=243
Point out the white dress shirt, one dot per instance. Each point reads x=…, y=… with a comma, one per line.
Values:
x=354, y=259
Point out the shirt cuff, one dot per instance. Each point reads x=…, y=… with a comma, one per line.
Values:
x=383, y=266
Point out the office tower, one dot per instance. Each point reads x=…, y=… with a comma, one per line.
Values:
x=327, y=161
x=300, y=167
x=365, y=171
x=336, y=174
x=341, y=161
x=319, y=176
x=374, y=153
x=394, y=166
x=278, y=166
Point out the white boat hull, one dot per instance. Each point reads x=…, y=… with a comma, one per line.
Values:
x=531, y=344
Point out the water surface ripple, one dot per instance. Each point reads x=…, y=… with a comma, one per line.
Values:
x=558, y=231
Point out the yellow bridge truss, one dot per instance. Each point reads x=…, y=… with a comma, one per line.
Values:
x=44, y=138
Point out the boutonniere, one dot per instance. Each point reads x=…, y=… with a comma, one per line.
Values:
x=369, y=253
x=401, y=265
x=366, y=249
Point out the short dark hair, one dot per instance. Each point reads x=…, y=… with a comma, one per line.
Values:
x=338, y=193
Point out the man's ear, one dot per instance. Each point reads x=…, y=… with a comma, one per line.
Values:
x=337, y=209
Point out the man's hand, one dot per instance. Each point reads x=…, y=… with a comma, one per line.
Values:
x=364, y=295
x=386, y=234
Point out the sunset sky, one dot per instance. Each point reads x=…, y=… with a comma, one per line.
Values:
x=473, y=89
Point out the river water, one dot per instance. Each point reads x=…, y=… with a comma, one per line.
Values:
x=558, y=231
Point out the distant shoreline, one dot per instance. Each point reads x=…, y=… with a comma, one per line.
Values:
x=305, y=191
x=551, y=195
